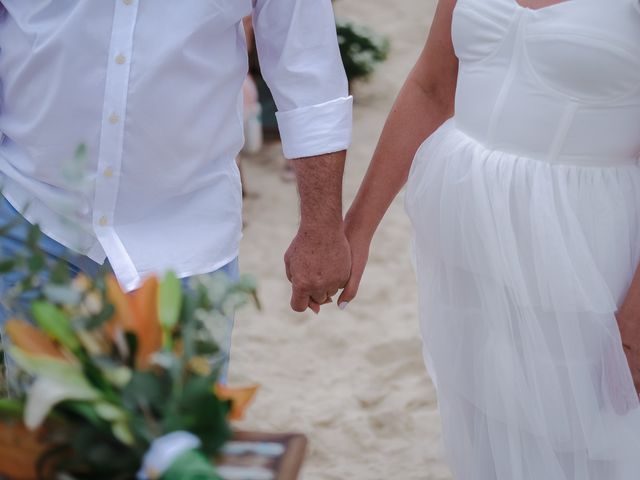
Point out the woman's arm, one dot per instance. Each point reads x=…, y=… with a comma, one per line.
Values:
x=424, y=103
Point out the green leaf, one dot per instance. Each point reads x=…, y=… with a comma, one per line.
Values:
x=109, y=412
x=216, y=325
x=118, y=376
x=84, y=410
x=147, y=389
x=200, y=412
x=33, y=237
x=233, y=302
x=96, y=321
x=11, y=408
x=55, y=324
x=248, y=283
x=60, y=272
x=46, y=392
x=191, y=465
x=205, y=347
x=45, y=366
x=81, y=151
x=36, y=262
x=132, y=347
x=62, y=294
x=103, y=454
x=169, y=301
x=122, y=432
x=7, y=266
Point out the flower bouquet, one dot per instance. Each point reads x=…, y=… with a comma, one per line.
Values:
x=107, y=385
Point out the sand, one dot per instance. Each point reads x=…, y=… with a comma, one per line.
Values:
x=353, y=381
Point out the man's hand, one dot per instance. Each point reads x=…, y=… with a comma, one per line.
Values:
x=318, y=263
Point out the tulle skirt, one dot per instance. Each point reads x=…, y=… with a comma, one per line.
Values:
x=521, y=266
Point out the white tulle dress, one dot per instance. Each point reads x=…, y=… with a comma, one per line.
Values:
x=526, y=214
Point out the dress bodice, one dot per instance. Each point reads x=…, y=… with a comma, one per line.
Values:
x=557, y=83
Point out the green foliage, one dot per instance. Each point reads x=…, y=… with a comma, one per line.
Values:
x=107, y=408
x=191, y=465
x=199, y=411
x=361, y=49
x=55, y=323
x=169, y=301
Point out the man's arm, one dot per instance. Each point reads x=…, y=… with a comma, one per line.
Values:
x=300, y=60
x=318, y=262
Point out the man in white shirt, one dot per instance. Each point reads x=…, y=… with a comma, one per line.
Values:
x=152, y=89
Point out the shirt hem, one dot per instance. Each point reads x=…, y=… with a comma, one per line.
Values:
x=99, y=258
x=182, y=273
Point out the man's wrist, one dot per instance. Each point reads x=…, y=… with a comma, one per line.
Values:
x=322, y=226
x=320, y=187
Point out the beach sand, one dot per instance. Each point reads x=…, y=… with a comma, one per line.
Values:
x=353, y=381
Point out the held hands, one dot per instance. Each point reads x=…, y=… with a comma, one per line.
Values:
x=319, y=263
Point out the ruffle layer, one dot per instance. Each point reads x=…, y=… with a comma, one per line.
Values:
x=521, y=266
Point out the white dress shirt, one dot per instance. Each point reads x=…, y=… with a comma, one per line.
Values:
x=152, y=88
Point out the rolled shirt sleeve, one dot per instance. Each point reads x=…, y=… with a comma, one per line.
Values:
x=300, y=61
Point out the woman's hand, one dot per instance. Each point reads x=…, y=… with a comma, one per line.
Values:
x=629, y=324
x=360, y=241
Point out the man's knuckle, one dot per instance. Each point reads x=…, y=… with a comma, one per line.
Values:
x=308, y=285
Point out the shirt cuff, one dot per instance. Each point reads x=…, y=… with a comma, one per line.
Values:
x=318, y=129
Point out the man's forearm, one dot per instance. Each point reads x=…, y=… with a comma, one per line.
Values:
x=320, y=188
x=318, y=260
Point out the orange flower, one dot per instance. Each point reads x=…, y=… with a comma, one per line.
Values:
x=137, y=312
x=30, y=339
x=240, y=398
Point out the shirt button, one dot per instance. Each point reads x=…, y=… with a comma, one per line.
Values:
x=104, y=221
x=114, y=118
x=127, y=2
x=108, y=172
x=120, y=59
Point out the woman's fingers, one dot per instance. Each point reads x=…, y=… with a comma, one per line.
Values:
x=351, y=288
x=315, y=307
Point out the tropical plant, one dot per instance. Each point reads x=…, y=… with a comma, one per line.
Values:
x=112, y=376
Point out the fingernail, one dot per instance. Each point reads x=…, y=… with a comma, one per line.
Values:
x=343, y=305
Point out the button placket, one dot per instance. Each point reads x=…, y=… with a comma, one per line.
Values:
x=112, y=134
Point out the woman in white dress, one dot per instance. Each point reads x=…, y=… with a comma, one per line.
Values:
x=525, y=204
